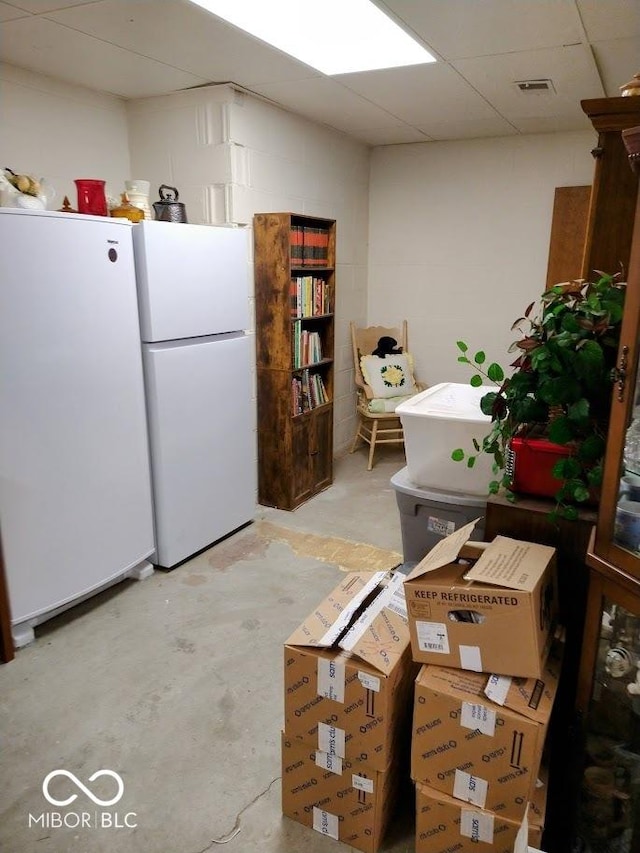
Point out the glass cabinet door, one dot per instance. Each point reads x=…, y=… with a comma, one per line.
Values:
x=618, y=530
x=626, y=530
x=608, y=819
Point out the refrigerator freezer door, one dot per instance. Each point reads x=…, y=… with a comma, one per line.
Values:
x=201, y=428
x=193, y=280
x=75, y=491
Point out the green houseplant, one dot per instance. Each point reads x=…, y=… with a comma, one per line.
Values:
x=560, y=387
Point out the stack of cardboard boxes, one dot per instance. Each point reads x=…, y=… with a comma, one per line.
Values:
x=348, y=684
x=383, y=650
x=478, y=737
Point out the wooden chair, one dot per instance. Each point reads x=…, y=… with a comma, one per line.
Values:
x=375, y=428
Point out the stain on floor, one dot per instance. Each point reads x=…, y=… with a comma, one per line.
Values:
x=348, y=556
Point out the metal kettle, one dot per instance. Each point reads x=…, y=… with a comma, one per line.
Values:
x=169, y=209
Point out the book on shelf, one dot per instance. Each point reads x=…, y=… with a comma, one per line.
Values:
x=296, y=241
x=306, y=346
x=308, y=391
x=315, y=246
x=296, y=390
x=309, y=296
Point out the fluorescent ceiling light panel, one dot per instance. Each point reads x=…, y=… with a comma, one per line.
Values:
x=334, y=36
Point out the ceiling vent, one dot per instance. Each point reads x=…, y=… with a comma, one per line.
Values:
x=535, y=86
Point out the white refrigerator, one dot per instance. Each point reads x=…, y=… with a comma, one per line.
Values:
x=75, y=490
x=193, y=292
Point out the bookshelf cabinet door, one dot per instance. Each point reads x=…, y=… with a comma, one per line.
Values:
x=321, y=449
x=301, y=485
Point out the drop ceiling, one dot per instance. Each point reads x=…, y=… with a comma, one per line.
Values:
x=140, y=48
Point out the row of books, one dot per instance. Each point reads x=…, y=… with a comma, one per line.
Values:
x=307, y=392
x=306, y=346
x=309, y=296
x=309, y=246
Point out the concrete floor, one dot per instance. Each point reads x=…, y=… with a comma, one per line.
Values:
x=175, y=682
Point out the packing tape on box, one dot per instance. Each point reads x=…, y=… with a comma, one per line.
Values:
x=331, y=676
x=331, y=740
x=333, y=763
x=477, y=826
x=393, y=593
x=329, y=638
x=325, y=823
x=475, y=716
x=471, y=789
x=497, y=688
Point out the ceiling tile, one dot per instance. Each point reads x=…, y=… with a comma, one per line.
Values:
x=459, y=28
x=139, y=48
x=391, y=135
x=618, y=61
x=330, y=102
x=48, y=48
x=185, y=37
x=552, y=124
x=37, y=7
x=419, y=94
x=11, y=13
x=454, y=127
x=615, y=19
x=571, y=69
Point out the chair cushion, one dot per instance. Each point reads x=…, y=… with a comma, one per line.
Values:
x=380, y=405
x=391, y=376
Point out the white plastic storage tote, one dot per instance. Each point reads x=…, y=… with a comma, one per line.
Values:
x=438, y=421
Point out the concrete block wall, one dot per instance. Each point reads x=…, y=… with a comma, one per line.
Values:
x=232, y=155
x=59, y=132
x=459, y=239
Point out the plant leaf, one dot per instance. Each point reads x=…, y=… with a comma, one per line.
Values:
x=462, y=346
x=579, y=410
x=495, y=372
x=569, y=512
x=566, y=469
x=560, y=430
x=458, y=455
x=476, y=380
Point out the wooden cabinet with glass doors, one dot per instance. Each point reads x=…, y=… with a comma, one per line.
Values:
x=607, y=795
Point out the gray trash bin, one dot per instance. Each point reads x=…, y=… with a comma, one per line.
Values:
x=427, y=516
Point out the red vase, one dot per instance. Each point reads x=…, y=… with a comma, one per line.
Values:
x=91, y=196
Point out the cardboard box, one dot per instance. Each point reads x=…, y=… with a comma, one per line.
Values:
x=445, y=825
x=351, y=802
x=538, y=808
x=484, y=751
x=495, y=616
x=348, y=671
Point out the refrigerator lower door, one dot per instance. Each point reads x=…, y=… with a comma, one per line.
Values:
x=201, y=430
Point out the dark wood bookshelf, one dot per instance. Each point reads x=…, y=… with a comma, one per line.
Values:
x=295, y=449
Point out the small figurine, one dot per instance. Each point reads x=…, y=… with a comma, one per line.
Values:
x=387, y=346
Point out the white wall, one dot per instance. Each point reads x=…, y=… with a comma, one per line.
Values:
x=459, y=239
x=60, y=132
x=232, y=155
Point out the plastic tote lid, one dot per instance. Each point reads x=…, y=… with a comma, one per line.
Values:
x=449, y=401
